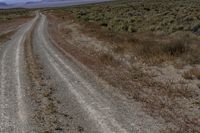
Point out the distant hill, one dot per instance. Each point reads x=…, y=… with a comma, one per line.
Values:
x=48, y=3
x=54, y=0
x=33, y=2
x=2, y=4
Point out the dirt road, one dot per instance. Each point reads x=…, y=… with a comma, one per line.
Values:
x=42, y=90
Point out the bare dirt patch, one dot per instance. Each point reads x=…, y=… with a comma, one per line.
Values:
x=6, y=36
x=11, y=19
x=8, y=27
x=12, y=24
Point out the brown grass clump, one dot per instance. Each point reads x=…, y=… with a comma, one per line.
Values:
x=154, y=52
x=107, y=59
x=12, y=14
x=192, y=74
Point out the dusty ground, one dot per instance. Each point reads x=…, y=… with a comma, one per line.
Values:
x=8, y=27
x=62, y=75
x=162, y=90
x=11, y=20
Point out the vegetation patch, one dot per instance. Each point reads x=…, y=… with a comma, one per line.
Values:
x=153, y=31
x=193, y=73
x=13, y=14
x=143, y=15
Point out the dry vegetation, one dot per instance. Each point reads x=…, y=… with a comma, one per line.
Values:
x=146, y=32
x=10, y=20
x=144, y=15
x=157, y=19
x=193, y=73
x=6, y=15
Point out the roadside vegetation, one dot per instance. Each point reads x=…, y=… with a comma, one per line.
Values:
x=10, y=20
x=149, y=49
x=143, y=15
x=170, y=28
x=14, y=14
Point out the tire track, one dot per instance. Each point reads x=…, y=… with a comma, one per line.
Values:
x=41, y=93
x=104, y=121
x=108, y=113
x=13, y=109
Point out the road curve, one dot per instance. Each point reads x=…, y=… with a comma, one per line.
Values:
x=63, y=96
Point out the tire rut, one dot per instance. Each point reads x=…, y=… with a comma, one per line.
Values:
x=41, y=92
x=13, y=107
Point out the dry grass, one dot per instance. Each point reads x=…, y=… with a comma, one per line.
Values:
x=108, y=59
x=193, y=73
x=153, y=49
x=150, y=47
x=154, y=31
x=143, y=15
x=10, y=20
x=11, y=14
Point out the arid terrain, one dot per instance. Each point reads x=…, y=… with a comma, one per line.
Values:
x=10, y=20
x=116, y=67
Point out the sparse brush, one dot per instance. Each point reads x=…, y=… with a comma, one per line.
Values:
x=13, y=14
x=192, y=74
x=168, y=16
x=108, y=59
x=175, y=47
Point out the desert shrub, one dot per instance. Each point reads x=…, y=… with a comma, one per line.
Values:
x=132, y=29
x=194, y=57
x=147, y=16
x=192, y=73
x=14, y=13
x=104, y=24
x=107, y=59
x=157, y=48
x=168, y=16
x=175, y=48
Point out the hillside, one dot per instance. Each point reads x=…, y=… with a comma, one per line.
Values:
x=3, y=4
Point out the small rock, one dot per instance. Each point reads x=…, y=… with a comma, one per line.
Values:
x=80, y=129
x=59, y=128
x=198, y=85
